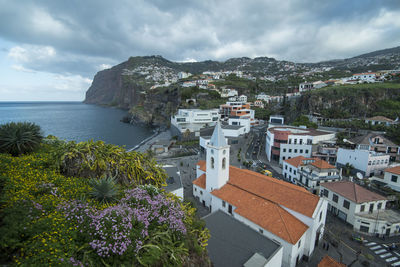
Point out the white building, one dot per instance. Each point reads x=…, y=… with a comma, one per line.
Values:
x=309, y=172
x=368, y=163
x=306, y=87
x=183, y=75
x=276, y=120
x=194, y=119
x=263, y=97
x=366, y=76
x=319, y=84
x=285, y=142
x=392, y=178
x=226, y=92
x=363, y=209
x=283, y=212
x=380, y=120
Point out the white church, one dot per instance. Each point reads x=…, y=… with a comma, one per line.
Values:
x=281, y=211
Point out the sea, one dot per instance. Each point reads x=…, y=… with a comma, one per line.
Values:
x=76, y=121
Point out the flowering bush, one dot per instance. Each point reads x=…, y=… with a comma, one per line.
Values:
x=50, y=219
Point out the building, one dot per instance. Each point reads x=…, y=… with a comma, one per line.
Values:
x=285, y=142
x=242, y=98
x=183, y=75
x=283, y=212
x=226, y=92
x=240, y=121
x=380, y=120
x=193, y=120
x=363, y=209
x=174, y=182
x=368, y=163
x=306, y=87
x=326, y=150
x=330, y=262
x=276, y=120
x=263, y=97
x=309, y=172
x=365, y=76
x=259, y=103
x=392, y=178
x=246, y=247
x=378, y=143
x=231, y=108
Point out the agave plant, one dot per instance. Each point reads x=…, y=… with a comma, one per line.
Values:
x=19, y=138
x=105, y=189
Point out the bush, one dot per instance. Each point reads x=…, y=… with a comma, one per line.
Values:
x=104, y=189
x=18, y=138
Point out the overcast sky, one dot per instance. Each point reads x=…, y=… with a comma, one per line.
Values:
x=51, y=50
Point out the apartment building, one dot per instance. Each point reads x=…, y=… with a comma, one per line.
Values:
x=285, y=142
x=193, y=120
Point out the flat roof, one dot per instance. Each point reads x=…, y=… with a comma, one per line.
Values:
x=233, y=243
x=174, y=178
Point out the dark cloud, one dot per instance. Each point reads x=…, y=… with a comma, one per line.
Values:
x=86, y=34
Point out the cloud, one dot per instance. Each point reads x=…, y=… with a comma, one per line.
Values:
x=82, y=37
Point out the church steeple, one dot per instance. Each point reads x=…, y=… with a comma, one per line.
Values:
x=217, y=171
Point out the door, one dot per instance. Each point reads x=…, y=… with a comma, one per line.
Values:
x=371, y=208
x=230, y=209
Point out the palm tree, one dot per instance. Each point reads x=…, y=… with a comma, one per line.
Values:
x=348, y=168
x=19, y=138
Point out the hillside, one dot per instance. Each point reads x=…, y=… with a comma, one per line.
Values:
x=128, y=85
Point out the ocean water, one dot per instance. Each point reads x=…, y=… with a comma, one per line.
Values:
x=76, y=121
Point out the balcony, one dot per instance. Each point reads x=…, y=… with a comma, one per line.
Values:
x=317, y=177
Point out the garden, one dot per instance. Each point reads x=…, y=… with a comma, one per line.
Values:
x=89, y=204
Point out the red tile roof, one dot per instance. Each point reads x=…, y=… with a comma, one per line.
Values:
x=297, y=161
x=330, y=262
x=265, y=213
x=380, y=118
x=201, y=181
x=395, y=170
x=322, y=164
x=353, y=191
x=202, y=164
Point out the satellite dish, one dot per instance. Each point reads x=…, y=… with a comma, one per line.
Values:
x=359, y=175
x=344, y=140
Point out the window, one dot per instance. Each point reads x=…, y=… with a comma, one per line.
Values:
x=320, y=216
x=346, y=204
x=290, y=141
x=223, y=203
x=212, y=162
x=325, y=193
x=362, y=208
x=195, y=189
x=301, y=141
x=364, y=229
x=394, y=179
x=223, y=163
x=295, y=141
x=285, y=167
x=306, y=151
x=369, y=162
x=295, y=151
x=290, y=150
x=284, y=158
x=294, y=171
x=299, y=244
x=335, y=198
x=301, y=150
x=290, y=169
x=379, y=206
x=284, y=150
x=201, y=192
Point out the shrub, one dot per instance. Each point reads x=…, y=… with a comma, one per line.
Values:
x=104, y=189
x=18, y=138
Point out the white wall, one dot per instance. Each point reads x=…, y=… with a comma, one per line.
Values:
x=240, y=122
x=387, y=178
x=285, y=148
x=269, y=142
x=276, y=259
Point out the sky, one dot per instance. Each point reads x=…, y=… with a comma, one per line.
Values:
x=50, y=50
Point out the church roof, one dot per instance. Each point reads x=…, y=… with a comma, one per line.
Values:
x=202, y=165
x=218, y=138
x=264, y=201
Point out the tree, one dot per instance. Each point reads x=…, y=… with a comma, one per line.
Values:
x=18, y=138
x=303, y=120
x=348, y=168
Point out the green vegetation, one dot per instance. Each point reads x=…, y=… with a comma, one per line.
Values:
x=262, y=113
x=303, y=120
x=18, y=138
x=57, y=210
x=188, y=143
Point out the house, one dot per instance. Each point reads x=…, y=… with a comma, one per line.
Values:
x=306, y=87
x=378, y=143
x=326, y=150
x=242, y=98
x=174, y=182
x=231, y=108
x=363, y=209
x=330, y=262
x=259, y=103
x=365, y=76
x=240, y=121
x=392, y=177
x=285, y=142
x=183, y=75
x=263, y=97
x=226, y=92
x=283, y=212
x=192, y=120
x=368, y=163
x=246, y=247
x=380, y=120
x=309, y=172
x=161, y=146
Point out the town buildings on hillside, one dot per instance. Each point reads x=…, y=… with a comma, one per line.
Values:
x=283, y=212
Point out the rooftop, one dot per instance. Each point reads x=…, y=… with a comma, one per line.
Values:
x=366, y=139
x=389, y=216
x=353, y=192
x=297, y=161
x=330, y=262
x=394, y=170
x=380, y=118
x=299, y=131
x=322, y=164
x=174, y=178
x=226, y=249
